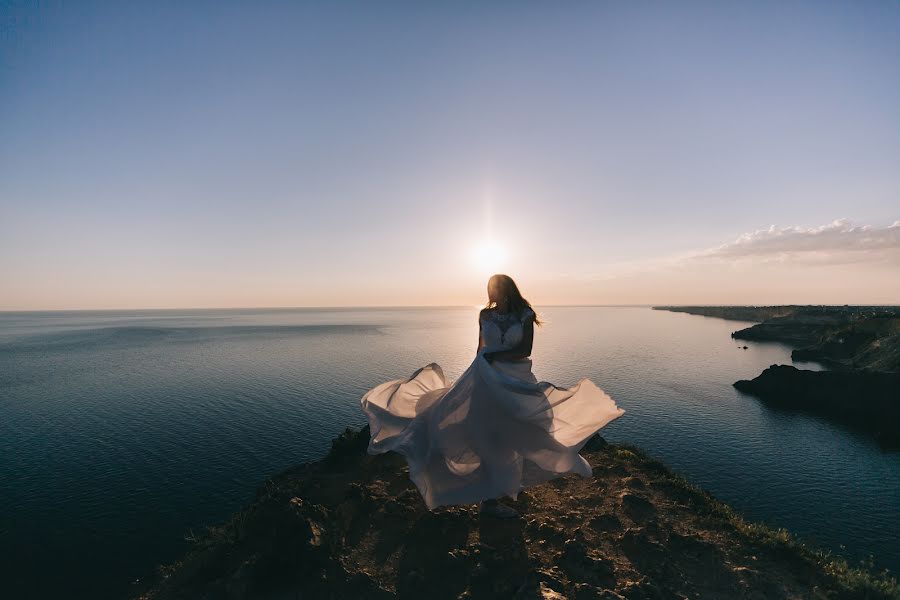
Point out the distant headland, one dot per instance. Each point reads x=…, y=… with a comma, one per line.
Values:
x=859, y=344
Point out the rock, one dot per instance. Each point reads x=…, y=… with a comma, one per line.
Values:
x=619, y=470
x=574, y=550
x=693, y=546
x=581, y=565
x=643, y=590
x=648, y=555
x=540, y=582
x=867, y=400
x=552, y=578
x=637, y=507
x=350, y=443
x=605, y=522
x=550, y=532
x=634, y=483
x=550, y=594
x=595, y=443
x=584, y=591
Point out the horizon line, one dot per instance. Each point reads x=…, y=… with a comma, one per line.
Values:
x=399, y=306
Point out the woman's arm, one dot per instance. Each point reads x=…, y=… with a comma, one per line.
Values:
x=480, y=338
x=522, y=350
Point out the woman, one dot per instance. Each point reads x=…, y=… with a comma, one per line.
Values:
x=497, y=429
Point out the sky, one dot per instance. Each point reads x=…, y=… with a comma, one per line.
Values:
x=222, y=154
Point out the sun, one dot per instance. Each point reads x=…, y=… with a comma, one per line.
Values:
x=489, y=257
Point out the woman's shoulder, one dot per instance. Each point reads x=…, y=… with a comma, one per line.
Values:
x=527, y=314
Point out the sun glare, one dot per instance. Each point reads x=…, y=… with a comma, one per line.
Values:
x=489, y=257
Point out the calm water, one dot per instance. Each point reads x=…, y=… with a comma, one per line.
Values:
x=120, y=431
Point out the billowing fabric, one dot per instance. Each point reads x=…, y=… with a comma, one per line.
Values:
x=495, y=431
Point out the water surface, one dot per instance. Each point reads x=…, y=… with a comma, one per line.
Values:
x=120, y=431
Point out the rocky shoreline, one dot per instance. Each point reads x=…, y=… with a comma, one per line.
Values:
x=733, y=313
x=353, y=526
x=859, y=344
x=861, y=400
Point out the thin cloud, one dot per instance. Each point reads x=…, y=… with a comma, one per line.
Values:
x=839, y=242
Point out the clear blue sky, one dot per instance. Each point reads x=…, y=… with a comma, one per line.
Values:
x=162, y=154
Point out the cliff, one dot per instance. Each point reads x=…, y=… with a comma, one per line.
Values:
x=353, y=526
x=861, y=344
x=733, y=313
x=843, y=337
x=865, y=400
x=869, y=344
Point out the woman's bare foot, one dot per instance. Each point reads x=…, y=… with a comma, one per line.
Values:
x=492, y=508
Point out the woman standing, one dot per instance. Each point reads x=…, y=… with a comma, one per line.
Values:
x=497, y=429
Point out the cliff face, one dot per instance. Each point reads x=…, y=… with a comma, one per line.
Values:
x=353, y=526
x=872, y=344
x=860, y=337
x=734, y=313
x=866, y=400
x=860, y=343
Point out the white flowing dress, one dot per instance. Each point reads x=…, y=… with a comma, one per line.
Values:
x=495, y=431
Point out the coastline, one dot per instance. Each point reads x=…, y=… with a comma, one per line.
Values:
x=860, y=345
x=353, y=526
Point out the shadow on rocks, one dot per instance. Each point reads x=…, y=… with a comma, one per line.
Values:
x=434, y=560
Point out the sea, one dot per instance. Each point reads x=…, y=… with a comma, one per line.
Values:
x=123, y=433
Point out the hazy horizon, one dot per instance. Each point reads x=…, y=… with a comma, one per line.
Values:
x=401, y=306
x=235, y=156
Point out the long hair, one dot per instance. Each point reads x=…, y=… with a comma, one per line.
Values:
x=508, y=289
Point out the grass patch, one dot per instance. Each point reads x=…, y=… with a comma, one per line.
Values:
x=861, y=582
